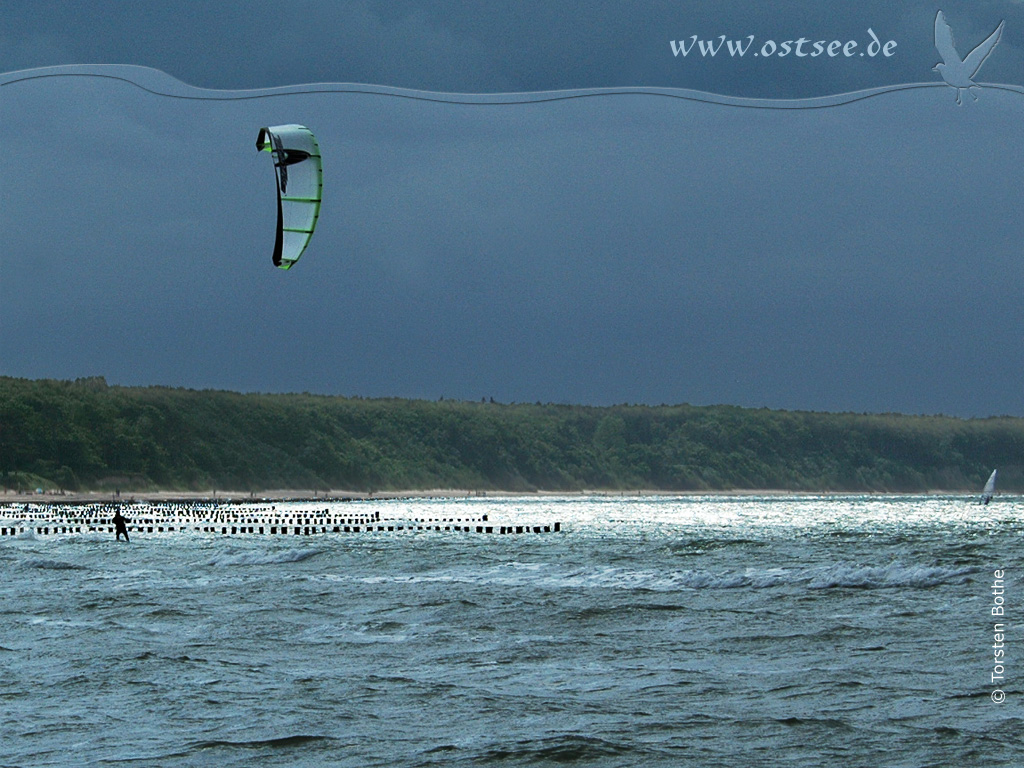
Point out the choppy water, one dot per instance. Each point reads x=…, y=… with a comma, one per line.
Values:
x=651, y=632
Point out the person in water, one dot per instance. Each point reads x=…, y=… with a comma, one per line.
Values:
x=121, y=525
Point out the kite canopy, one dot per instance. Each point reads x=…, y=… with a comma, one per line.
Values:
x=299, y=187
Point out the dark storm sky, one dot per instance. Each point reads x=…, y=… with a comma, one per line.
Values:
x=621, y=248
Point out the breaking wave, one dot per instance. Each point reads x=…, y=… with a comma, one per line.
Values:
x=50, y=565
x=264, y=558
x=837, y=576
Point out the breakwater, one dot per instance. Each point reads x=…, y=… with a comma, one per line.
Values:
x=235, y=520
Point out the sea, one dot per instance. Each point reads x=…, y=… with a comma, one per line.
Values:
x=648, y=631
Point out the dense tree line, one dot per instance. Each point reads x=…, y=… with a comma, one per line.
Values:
x=86, y=434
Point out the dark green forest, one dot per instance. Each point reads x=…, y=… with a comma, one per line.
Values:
x=87, y=435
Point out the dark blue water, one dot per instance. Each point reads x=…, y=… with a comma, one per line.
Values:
x=650, y=632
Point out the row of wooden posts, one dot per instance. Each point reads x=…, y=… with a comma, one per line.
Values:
x=295, y=530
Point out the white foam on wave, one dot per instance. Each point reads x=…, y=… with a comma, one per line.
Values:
x=836, y=576
x=670, y=581
x=264, y=558
x=93, y=537
x=894, y=574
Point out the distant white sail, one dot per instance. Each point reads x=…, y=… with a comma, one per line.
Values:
x=990, y=488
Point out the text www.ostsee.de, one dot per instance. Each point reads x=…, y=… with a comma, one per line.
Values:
x=799, y=48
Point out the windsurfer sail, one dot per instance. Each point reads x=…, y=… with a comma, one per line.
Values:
x=990, y=488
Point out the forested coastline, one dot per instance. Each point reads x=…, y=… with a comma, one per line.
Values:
x=87, y=435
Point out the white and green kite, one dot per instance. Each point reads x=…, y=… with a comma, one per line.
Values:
x=299, y=187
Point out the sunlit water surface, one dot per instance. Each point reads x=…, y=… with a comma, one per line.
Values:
x=651, y=631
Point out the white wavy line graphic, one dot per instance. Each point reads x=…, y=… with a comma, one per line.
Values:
x=159, y=83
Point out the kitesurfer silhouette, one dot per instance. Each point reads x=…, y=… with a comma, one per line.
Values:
x=120, y=525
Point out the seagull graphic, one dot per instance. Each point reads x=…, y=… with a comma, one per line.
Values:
x=955, y=71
